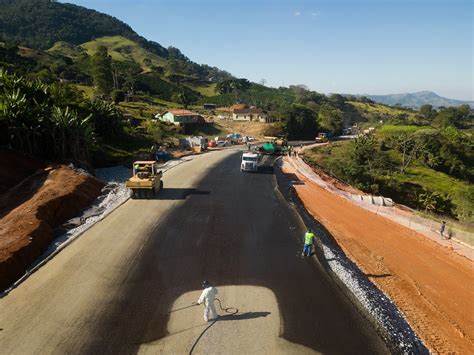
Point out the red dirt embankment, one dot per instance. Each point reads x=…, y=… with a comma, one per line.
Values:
x=34, y=199
x=431, y=285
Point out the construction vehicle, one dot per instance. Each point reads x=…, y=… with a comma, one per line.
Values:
x=269, y=148
x=249, y=162
x=321, y=138
x=279, y=141
x=146, y=180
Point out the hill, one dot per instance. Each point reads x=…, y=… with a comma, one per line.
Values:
x=418, y=99
x=123, y=49
x=62, y=28
x=40, y=24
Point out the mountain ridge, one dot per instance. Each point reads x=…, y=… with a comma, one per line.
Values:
x=417, y=99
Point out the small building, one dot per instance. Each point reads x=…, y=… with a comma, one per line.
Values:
x=249, y=114
x=180, y=116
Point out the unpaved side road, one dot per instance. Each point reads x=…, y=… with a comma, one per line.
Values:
x=120, y=287
x=431, y=285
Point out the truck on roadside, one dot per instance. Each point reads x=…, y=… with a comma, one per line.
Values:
x=249, y=161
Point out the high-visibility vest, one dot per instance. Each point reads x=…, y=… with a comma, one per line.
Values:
x=308, y=238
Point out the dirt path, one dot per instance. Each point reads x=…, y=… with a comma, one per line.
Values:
x=431, y=285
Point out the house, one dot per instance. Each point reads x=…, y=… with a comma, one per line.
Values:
x=180, y=116
x=250, y=114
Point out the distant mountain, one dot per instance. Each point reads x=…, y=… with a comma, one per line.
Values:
x=418, y=99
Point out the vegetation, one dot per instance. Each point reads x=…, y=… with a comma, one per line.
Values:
x=102, y=71
x=34, y=120
x=42, y=23
x=54, y=121
x=423, y=167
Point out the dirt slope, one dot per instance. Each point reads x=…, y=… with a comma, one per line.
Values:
x=430, y=284
x=30, y=210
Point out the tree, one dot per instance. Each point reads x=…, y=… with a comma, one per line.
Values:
x=106, y=118
x=118, y=96
x=102, y=71
x=37, y=119
x=410, y=148
x=427, y=112
x=300, y=122
x=331, y=118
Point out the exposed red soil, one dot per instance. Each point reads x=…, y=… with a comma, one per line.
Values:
x=431, y=285
x=30, y=210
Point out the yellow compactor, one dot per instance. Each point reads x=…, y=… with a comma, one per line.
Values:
x=146, y=180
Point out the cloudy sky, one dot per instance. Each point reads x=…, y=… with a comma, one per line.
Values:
x=358, y=47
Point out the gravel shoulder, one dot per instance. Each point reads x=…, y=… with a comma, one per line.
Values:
x=430, y=284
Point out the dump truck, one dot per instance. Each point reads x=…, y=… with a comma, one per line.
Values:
x=146, y=180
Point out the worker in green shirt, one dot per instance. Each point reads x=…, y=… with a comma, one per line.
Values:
x=308, y=242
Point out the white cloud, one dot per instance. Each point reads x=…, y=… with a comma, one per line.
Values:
x=297, y=13
x=315, y=14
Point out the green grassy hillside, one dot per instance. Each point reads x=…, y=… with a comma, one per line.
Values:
x=369, y=109
x=66, y=49
x=124, y=49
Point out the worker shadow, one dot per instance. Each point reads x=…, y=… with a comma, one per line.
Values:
x=172, y=193
x=377, y=276
x=294, y=179
x=248, y=315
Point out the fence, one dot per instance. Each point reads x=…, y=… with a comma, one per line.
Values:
x=464, y=240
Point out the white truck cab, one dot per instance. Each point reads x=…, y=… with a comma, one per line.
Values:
x=249, y=162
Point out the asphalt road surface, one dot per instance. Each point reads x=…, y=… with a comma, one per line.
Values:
x=127, y=285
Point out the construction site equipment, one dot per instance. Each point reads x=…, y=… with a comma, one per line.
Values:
x=146, y=180
x=321, y=138
x=270, y=148
x=280, y=140
x=191, y=142
x=249, y=162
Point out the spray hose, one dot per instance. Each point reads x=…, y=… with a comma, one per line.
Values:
x=229, y=310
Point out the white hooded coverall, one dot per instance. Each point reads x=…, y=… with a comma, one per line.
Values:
x=207, y=296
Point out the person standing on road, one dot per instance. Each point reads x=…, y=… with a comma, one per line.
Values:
x=207, y=297
x=442, y=228
x=308, y=242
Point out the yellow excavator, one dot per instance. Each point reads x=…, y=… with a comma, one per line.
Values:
x=146, y=180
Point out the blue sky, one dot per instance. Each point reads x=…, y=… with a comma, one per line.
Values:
x=366, y=46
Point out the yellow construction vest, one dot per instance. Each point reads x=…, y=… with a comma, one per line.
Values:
x=308, y=238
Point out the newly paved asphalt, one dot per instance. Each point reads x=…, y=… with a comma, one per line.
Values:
x=112, y=290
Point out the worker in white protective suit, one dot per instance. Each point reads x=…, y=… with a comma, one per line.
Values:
x=207, y=297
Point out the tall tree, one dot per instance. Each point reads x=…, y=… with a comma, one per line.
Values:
x=102, y=71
